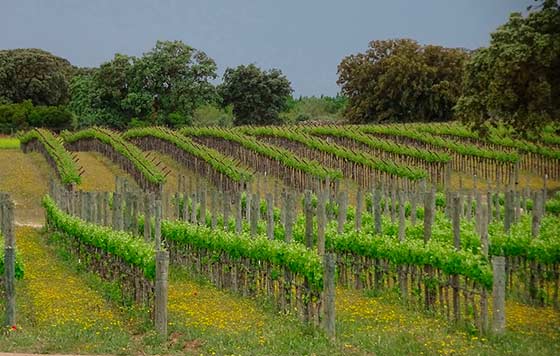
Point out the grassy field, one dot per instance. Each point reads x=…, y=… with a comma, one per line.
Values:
x=8, y=142
x=65, y=309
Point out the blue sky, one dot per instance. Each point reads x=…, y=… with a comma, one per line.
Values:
x=305, y=39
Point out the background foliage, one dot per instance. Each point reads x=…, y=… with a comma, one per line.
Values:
x=516, y=80
x=400, y=80
x=22, y=116
x=257, y=96
x=33, y=74
x=513, y=84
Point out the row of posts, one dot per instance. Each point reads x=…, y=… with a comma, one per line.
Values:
x=7, y=228
x=95, y=207
x=195, y=211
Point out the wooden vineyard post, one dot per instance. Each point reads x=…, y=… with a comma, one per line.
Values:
x=469, y=206
x=516, y=205
x=147, y=217
x=484, y=241
x=456, y=221
x=248, y=206
x=85, y=205
x=97, y=206
x=489, y=209
x=385, y=193
x=186, y=202
x=401, y=235
x=214, y=207
x=484, y=245
x=308, y=208
x=461, y=203
x=7, y=212
x=255, y=214
x=178, y=197
x=100, y=208
x=377, y=210
x=429, y=197
x=545, y=187
x=321, y=222
x=413, y=203
x=499, y=294
x=160, y=309
x=508, y=218
x=402, y=221
x=478, y=202
x=162, y=266
x=202, y=219
x=91, y=207
x=270, y=216
x=288, y=220
x=329, y=317
x=127, y=210
x=194, y=207
x=448, y=202
x=157, y=219
x=342, y=206
x=538, y=207
x=429, y=207
x=523, y=200
x=448, y=172
x=282, y=203
x=117, y=211
x=135, y=206
x=393, y=205
x=359, y=208
x=226, y=202
x=238, y=212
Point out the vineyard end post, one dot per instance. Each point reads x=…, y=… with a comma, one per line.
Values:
x=499, y=294
x=160, y=309
x=329, y=318
x=9, y=259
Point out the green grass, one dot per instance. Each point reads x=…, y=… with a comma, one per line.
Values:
x=234, y=325
x=8, y=143
x=366, y=324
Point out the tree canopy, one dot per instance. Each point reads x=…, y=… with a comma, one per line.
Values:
x=164, y=86
x=400, y=80
x=516, y=79
x=34, y=74
x=257, y=96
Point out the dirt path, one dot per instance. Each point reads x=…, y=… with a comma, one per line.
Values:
x=99, y=172
x=25, y=177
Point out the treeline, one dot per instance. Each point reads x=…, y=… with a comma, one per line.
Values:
x=514, y=81
x=171, y=85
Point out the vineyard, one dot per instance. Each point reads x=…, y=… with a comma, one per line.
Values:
x=436, y=219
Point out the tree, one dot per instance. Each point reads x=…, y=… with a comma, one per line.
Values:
x=257, y=96
x=173, y=79
x=34, y=74
x=164, y=86
x=400, y=80
x=516, y=79
x=88, y=107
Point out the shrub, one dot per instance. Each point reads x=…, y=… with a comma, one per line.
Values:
x=21, y=116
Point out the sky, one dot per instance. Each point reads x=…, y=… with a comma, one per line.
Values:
x=306, y=39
